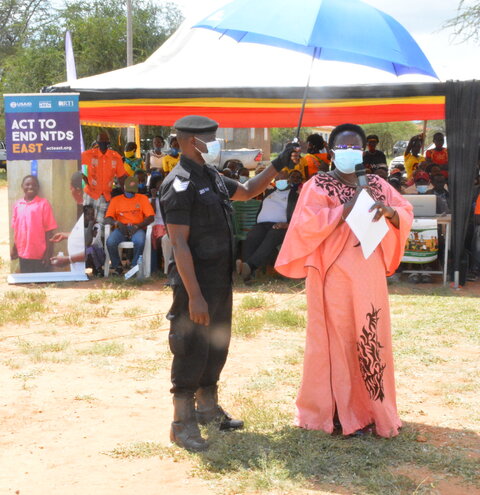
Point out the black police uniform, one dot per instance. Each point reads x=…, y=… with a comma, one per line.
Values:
x=198, y=196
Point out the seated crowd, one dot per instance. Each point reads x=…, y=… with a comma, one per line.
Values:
x=123, y=192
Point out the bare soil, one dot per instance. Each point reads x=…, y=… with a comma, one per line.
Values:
x=59, y=419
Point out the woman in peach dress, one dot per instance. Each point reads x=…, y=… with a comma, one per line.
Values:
x=348, y=376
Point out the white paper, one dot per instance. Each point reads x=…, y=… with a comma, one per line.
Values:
x=369, y=233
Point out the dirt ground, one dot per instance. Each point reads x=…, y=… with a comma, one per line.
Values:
x=60, y=418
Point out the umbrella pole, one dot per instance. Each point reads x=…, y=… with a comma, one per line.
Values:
x=305, y=95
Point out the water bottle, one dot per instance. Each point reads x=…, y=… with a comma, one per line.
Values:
x=140, y=275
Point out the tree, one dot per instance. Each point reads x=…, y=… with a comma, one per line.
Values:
x=17, y=17
x=466, y=24
x=36, y=52
x=390, y=132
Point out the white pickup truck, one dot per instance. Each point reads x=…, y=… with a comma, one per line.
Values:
x=250, y=158
x=3, y=155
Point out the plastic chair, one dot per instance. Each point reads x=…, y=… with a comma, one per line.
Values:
x=147, y=251
x=244, y=217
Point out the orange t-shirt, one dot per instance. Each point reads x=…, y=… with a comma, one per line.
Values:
x=130, y=210
x=438, y=157
x=102, y=168
x=312, y=162
x=477, y=206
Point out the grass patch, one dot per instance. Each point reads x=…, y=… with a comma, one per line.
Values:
x=86, y=398
x=102, y=312
x=149, y=367
x=132, y=312
x=74, y=318
x=3, y=178
x=109, y=296
x=247, y=325
x=21, y=305
x=104, y=349
x=272, y=455
x=44, y=353
x=256, y=301
x=285, y=318
x=140, y=450
x=151, y=324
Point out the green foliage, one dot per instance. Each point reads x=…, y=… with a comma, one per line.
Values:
x=282, y=135
x=390, y=132
x=465, y=23
x=32, y=38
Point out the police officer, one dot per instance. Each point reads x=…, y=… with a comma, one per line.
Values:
x=195, y=205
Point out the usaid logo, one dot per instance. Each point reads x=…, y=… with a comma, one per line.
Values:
x=21, y=104
x=45, y=104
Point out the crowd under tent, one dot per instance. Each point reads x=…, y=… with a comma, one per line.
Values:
x=244, y=85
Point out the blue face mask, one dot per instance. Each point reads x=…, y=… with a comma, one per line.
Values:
x=173, y=152
x=422, y=189
x=129, y=194
x=281, y=185
x=345, y=160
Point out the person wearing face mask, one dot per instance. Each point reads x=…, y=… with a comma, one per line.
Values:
x=272, y=223
x=154, y=158
x=421, y=183
x=195, y=205
x=172, y=157
x=131, y=162
x=102, y=166
x=129, y=214
x=348, y=379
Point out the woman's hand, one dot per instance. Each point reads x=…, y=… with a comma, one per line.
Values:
x=384, y=211
x=280, y=225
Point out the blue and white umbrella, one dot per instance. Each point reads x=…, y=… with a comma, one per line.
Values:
x=340, y=30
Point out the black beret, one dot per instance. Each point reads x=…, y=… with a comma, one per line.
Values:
x=196, y=124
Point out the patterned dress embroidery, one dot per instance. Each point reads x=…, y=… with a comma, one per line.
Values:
x=334, y=188
x=371, y=364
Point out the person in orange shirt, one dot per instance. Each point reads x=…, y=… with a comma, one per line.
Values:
x=130, y=214
x=103, y=165
x=438, y=155
x=317, y=158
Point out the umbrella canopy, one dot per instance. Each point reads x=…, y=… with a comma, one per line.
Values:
x=342, y=30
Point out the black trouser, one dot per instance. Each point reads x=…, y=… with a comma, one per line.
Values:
x=261, y=243
x=32, y=266
x=199, y=352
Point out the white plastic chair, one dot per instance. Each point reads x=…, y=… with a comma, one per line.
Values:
x=147, y=251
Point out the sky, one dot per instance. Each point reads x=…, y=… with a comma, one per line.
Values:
x=422, y=18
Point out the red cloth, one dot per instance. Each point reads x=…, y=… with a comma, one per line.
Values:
x=30, y=221
x=348, y=354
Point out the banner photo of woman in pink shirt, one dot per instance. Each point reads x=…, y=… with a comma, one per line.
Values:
x=33, y=225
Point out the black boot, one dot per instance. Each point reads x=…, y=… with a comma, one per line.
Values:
x=208, y=410
x=184, y=431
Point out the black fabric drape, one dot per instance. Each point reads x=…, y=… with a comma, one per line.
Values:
x=462, y=118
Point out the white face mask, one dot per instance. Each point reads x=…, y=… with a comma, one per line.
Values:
x=213, y=150
x=345, y=160
x=242, y=179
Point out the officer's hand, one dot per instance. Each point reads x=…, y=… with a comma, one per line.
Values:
x=198, y=309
